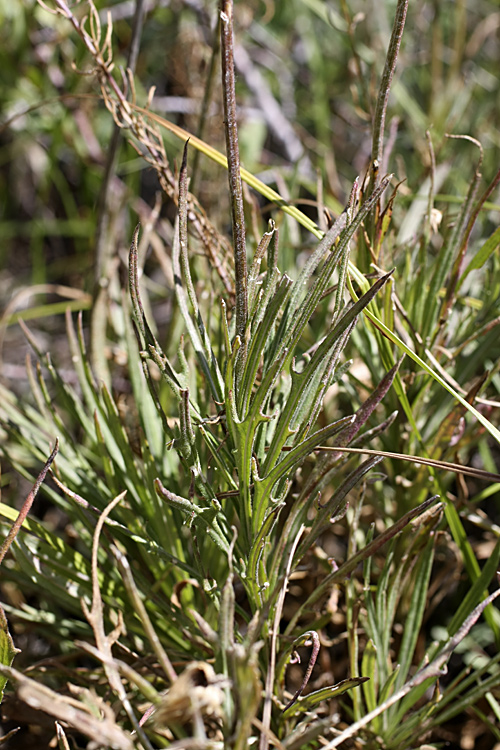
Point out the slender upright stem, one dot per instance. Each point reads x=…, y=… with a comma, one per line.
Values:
x=385, y=83
x=233, y=158
x=23, y=513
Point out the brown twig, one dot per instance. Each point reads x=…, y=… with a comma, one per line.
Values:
x=310, y=635
x=469, y=471
x=142, y=613
x=95, y=618
x=27, y=504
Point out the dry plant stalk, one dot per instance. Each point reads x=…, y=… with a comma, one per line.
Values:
x=74, y=713
x=197, y=693
x=126, y=116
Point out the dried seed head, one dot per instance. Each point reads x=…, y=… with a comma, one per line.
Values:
x=198, y=690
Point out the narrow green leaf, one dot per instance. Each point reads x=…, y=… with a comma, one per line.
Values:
x=369, y=670
x=7, y=649
x=258, y=342
x=414, y=616
x=482, y=255
x=309, y=701
x=476, y=592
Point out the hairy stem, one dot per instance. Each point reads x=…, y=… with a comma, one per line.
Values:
x=385, y=83
x=233, y=158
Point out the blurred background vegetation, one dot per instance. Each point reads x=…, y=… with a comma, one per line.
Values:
x=308, y=73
